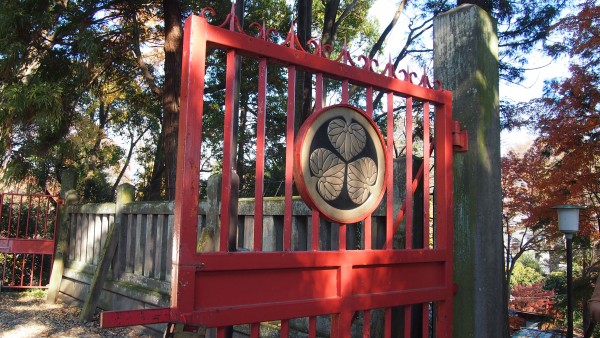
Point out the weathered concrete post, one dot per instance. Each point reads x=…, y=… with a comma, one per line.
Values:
x=68, y=180
x=466, y=62
x=125, y=194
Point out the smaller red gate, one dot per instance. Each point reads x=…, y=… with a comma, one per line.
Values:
x=27, y=231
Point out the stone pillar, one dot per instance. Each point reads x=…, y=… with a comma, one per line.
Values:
x=125, y=194
x=466, y=62
x=68, y=180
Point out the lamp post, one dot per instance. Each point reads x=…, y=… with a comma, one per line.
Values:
x=568, y=223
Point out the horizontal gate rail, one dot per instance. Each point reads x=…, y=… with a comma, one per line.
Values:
x=27, y=230
x=392, y=272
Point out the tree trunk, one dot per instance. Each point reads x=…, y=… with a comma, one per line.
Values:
x=240, y=115
x=173, y=54
x=303, y=79
x=329, y=23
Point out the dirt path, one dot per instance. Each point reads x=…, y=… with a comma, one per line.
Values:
x=26, y=315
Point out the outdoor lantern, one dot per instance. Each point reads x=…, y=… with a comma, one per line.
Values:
x=568, y=218
x=568, y=223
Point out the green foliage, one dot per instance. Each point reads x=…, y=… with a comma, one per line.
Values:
x=95, y=188
x=35, y=293
x=523, y=275
x=357, y=28
x=68, y=82
x=529, y=260
x=557, y=281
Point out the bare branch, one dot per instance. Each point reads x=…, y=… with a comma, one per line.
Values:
x=148, y=76
x=377, y=47
x=345, y=14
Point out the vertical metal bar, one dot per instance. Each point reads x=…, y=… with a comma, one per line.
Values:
x=19, y=216
x=440, y=179
x=367, y=324
x=319, y=92
x=408, y=221
x=1, y=208
x=316, y=217
x=312, y=326
x=185, y=216
x=289, y=159
x=10, y=207
x=369, y=99
x=444, y=206
x=222, y=332
x=285, y=328
x=37, y=216
x=23, y=268
x=29, y=199
x=56, y=209
x=227, y=150
x=32, y=273
x=389, y=172
x=342, y=237
x=15, y=262
x=407, y=320
x=367, y=230
x=316, y=225
x=340, y=324
x=254, y=330
x=345, y=90
x=41, y=269
x=426, y=164
x=387, y=323
x=7, y=235
x=426, y=319
x=260, y=154
x=335, y=326
x=47, y=215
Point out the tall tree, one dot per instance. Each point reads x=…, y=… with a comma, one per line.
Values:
x=173, y=46
x=569, y=123
x=60, y=63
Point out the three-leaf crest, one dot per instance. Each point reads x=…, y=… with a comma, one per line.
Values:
x=348, y=140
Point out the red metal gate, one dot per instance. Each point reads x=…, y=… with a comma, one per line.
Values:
x=27, y=229
x=409, y=285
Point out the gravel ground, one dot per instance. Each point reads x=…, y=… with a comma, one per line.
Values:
x=26, y=315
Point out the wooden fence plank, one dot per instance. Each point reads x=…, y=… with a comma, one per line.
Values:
x=125, y=193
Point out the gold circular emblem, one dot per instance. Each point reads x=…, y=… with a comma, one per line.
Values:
x=340, y=163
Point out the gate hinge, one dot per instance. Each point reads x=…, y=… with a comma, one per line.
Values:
x=460, y=138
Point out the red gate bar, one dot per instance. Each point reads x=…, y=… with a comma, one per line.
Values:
x=27, y=246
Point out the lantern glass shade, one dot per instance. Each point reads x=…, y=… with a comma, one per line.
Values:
x=568, y=218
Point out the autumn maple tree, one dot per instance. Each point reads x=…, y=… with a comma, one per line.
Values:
x=532, y=298
x=563, y=163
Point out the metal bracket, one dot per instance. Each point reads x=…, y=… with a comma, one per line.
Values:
x=460, y=138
